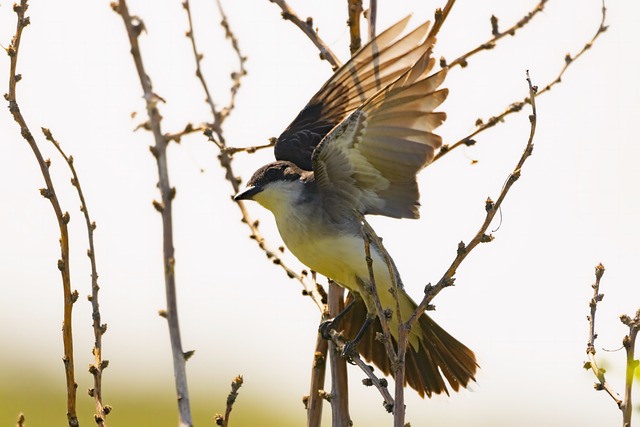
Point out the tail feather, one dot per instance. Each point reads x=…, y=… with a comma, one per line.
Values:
x=439, y=356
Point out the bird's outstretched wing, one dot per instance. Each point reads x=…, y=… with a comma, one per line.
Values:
x=369, y=161
x=373, y=67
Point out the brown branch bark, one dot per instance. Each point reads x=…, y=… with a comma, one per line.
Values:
x=307, y=28
x=497, y=35
x=99, y=329
x=491, y=209
x=483, y=125
x=354, y=12
x=134, y=26
x=338, y=365
x=629, y=343
x=313, y=402
x=49, y=193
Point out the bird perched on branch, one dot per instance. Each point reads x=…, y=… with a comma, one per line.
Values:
x=354, y=150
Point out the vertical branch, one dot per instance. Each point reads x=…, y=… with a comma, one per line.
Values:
x=355, y=10
x=62, y=218
x=314, y=402
x=338, y=365
x=372, y=16
x=99, y=329
x=629, y=343
x=602, y=383
x=134, y=27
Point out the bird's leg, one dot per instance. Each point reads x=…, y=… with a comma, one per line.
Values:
x=351, y=347
x=329, y=324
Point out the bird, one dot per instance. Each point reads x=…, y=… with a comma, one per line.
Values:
x=355, y=149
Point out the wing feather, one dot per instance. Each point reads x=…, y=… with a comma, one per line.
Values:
x=377, y=64
x=369, y=162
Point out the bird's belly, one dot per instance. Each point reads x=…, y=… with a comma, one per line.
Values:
x=340, y=257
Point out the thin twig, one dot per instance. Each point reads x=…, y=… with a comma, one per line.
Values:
x=497, y=35
x=491, y=209
x=231, y=399
x=188, y=130
x=250, y=150
x=236, y=76
x=134, y=27
x=99, y=329
x=629, y=343
x=215, y=134
x=441, y=16
x=307, y=28
x=592, y=364
x=482, y=125
x=372, y=379
x=62, y=218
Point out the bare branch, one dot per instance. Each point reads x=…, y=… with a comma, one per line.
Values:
x=99, y=329
x=372, y=379
x=307, y=28
x=231, y=399
x=313, y=402
x=355, y=11
x=482, y=125
x=372, y=15
x=62, y=218
x=491, y=208
x=134, y=25
x=337, y=364
x=602, y=383
x=629, y=343
x=497, y=35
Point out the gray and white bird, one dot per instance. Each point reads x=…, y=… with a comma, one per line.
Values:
x=355, y=149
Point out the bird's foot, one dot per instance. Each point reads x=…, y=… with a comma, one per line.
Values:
x=350, y=350
x=325, y=329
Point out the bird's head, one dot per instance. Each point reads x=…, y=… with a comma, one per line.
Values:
x=275, y=186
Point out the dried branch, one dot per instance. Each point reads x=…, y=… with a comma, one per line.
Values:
x=307, y=27
x=134, y=26
x=371, y=380
x=337, y=364
x=313, y=402
x=99, y=329
x=231, y=399
x=497, y=35
x=20, y=421
x=440, y=17
x=49, y=193
x=354, y=12
x=629, y=343
x=237, y=75
x=491, y=208
x=482, y=125
x=372, y=15
x=602, y=383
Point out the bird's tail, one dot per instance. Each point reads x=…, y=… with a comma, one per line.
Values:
x=438, y=355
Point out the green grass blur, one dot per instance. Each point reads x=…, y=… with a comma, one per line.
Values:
x=42, y=399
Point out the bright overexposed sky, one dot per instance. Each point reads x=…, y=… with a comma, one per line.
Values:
x=520, y=302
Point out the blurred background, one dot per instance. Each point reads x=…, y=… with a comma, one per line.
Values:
x=520, y=302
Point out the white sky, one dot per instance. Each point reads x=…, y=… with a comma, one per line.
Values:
x=521, y=301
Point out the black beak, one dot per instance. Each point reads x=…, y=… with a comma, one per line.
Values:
x=247, y=194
